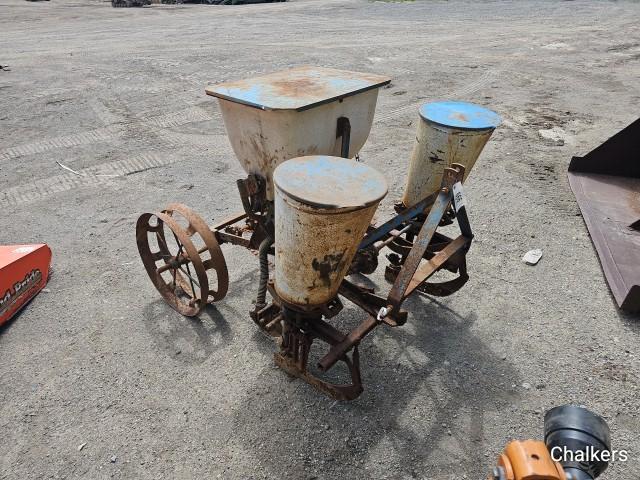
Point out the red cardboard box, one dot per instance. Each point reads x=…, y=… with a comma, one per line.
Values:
x=24, y=271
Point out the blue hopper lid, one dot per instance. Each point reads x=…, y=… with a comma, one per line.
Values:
x=298, y=88
x=330, y=182
x=462, y=115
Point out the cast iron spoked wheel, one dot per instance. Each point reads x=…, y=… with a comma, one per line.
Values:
x=179, y=252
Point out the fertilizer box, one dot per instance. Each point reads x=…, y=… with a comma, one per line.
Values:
x=24, y=271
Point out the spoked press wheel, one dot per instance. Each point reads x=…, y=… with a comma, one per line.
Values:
x=179, y=252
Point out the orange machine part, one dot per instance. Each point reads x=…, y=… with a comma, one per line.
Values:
x=24, y=271
x=529, y=460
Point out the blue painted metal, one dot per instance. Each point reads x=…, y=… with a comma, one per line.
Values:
x=298, y=88
x=409, y=214
x=330, y=182
x=462, y=115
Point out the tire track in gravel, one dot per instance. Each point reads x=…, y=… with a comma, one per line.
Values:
x=106, y=174
x=102, y=134
x=100, y=175
x=165, y=148
x=105, y=134
x=462, y=92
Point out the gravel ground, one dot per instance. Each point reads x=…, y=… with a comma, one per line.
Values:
x=100, y=361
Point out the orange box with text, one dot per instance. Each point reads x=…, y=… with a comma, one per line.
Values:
x=24, y=271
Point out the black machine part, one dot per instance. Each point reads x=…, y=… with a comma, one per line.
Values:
x=577, y=474
x=578, y=430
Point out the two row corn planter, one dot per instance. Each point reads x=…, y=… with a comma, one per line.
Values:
x=308, y=207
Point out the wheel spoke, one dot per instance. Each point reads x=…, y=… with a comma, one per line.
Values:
x=160, y=238
x=174, y=271
x=193, y=289
x=191, y=279
x=157, y=256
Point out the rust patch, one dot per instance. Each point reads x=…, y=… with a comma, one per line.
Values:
x=299, y=87
x=460, y=116
x=327, y=266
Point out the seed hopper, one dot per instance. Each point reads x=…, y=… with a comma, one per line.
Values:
x=308, y=206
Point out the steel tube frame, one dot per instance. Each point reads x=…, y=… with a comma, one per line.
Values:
x=412, y=275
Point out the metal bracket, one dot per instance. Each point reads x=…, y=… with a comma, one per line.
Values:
x=407, y=280
x=344, y=131
x=412, y=274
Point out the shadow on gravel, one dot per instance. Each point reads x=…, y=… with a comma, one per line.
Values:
x=427, y=388
x=6, y=326
x=632, y=320
x=188, y=340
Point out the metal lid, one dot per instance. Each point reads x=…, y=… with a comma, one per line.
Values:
x=462, y=115
x=297, y=89
x=330, y=182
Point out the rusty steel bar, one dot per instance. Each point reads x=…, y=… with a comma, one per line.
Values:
x=339, y=350
x=347, y=290
x=402, y=247
x=398, y=291
x=228, y=221
x=327, y=332
x=370, y=303
x=177, y=262
x=225, y=237
x=427, y=269
x=410, y=213
x=393, y=235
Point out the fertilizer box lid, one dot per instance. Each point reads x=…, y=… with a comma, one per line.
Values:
x=297, y=89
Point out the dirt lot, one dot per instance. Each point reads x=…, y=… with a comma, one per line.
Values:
x=100, y=360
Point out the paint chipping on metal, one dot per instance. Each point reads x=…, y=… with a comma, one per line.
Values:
x=298, y=88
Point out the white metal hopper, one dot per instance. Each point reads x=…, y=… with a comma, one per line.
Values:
x=294, y=113
x=323, y=206
x=448, y=132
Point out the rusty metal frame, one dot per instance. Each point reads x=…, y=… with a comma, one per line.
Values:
x=425, y=251
x=413, y=273
x=421, y=251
